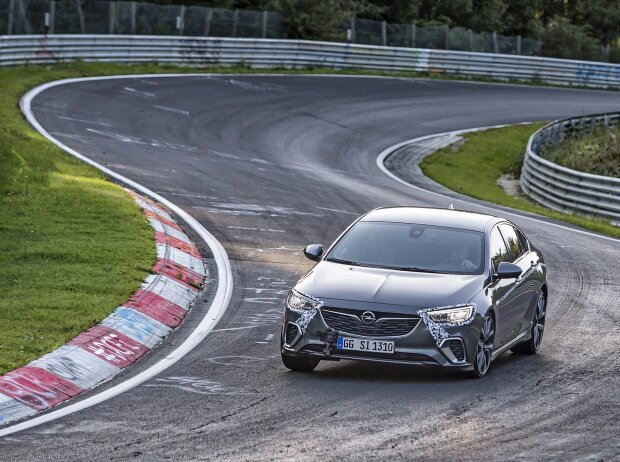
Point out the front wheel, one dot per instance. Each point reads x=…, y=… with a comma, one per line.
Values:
x=484, y=349
x=299, y=364
x=532, y=345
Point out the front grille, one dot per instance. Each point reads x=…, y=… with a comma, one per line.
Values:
x=397, y=356
x=456, y=346
x=291, y=333
x=386, y=325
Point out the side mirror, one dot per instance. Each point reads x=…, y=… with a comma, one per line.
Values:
x=507, y=270
x=313, y=252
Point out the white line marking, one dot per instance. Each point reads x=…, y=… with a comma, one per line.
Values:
x=386, y=152
x=236, y=328
x=171, y=109
x=220, y=300
x=336, y=210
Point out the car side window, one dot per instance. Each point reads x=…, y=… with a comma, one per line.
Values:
x=515, y=249
x=522, y=239
x=499, y=251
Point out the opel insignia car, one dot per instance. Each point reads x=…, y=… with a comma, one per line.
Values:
x=418, y=286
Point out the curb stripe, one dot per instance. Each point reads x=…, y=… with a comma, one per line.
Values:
x=170, y=289
x=168, y=222
x=76, y=365
x=120, y=339
x=161, y=238
x=37, y=387
x=137, y=326
x=157, y=308
x=110, y=345
x=11, y=409
x=179, y=272
x=180, y=258
x=169, y=230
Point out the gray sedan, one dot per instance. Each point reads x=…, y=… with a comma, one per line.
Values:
x=418, y=286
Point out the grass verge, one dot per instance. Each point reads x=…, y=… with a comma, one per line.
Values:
x=474, y=168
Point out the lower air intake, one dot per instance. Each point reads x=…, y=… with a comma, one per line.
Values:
x=456, y=346
x=291, y=333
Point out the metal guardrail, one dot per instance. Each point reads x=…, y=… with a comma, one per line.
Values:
x=565, y=190
x=270, y=53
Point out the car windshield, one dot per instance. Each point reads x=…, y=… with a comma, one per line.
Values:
x=411, y=247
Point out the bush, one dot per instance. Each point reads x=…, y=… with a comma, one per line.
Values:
x=597, y=153
x=561, y=39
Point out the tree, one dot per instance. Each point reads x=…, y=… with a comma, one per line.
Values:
x=311, y=19
x=562, y=39
x=521, y=17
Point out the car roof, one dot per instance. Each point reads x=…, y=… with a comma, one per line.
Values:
x=432, y=216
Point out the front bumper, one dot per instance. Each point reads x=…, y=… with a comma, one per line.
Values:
x=414, y=345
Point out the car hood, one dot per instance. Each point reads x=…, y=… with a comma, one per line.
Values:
x=328, y=280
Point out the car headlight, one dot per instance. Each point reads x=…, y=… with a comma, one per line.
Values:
x=298, y=302
x=452, y=315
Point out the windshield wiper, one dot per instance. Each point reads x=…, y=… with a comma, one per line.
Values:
x=413, y=269
x=344, y=262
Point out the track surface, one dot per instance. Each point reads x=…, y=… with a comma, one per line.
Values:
x=271, y=163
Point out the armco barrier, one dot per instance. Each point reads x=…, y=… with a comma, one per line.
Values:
x=266, y=53
x=563, y=189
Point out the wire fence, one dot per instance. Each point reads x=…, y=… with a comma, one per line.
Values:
x=369, y=32
x=23, y=17
x=18, y=17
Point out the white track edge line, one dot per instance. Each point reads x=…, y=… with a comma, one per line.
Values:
x=516, y=213
x=216, y=310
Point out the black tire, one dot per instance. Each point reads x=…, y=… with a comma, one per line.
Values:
x=484, y=349
x=532, y=345
x=300, y=364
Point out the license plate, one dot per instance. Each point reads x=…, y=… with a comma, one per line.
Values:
x=370, y=345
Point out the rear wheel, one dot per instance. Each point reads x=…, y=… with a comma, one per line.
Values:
x=484, y=349
x=532, y=345
x=295, y=363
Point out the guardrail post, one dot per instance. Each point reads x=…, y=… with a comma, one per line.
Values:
x=22, y=13
x=9, y=24
x=208, y=21
x=413, y=31
x=235, y=23
x=264, y=24
x=112, y=18
x=495, y=48
x=384, y=33
x=50, y=26
x=518, y=44
x=133, y=9
x=80, y=13
x=353, y=29
x=181, y=19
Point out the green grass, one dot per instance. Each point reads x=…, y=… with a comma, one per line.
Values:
x=597, y=153
x=74, y=245
x=473, y=170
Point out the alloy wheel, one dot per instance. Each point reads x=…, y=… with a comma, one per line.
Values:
x=485, y=346
x=539, y=321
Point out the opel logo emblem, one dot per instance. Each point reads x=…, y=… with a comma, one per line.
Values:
x=368, y=317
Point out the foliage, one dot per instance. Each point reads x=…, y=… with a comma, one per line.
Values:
x=597, y=153
x=561, y=39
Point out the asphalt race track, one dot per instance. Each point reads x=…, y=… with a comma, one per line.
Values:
x=271, y=163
